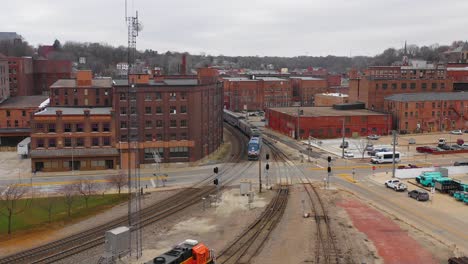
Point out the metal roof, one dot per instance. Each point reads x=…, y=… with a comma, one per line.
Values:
x=33, y=101
x=411, y=97
x=270, y=78
x=75, y=110
x=324, y=111
x=105, y=82
x=165, y=82
x=76, y=152
x=307, y=78
x=181, y=81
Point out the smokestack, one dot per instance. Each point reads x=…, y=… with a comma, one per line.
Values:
x=183, y=67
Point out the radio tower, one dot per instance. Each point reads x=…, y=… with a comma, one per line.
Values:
x=134, y=188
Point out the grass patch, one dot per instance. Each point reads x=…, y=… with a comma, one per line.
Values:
x=36, y=215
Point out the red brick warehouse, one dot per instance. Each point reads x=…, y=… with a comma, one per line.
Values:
x=327, y=122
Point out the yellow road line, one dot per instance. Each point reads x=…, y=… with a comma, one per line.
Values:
x=347, y=177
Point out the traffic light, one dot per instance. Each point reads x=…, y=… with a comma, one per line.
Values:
x=215, y=181
x=267, y=156
x=329, y=158
x=267, y=166
x=329, y=169
x=215, y=169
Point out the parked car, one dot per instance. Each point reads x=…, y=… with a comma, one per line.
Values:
x=348, y=154
x=456, y=132
x=412, y=141
x=377, y=150
x=345, y=145
x=373, y=137
x=456, y=147
x=410, y=166
x=424, y=149
x=369, y=147
x=396, y=185
x=419, y=195
x=465, y=131
x=445, y=147
x=460, y=163
x=460, y=141
x=441, y=141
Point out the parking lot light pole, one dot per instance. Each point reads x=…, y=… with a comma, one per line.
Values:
x=394, y=146
x=343, y=141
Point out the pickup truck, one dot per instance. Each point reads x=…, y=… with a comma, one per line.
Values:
x=396, y=185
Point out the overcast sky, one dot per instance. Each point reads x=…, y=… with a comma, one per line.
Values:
x=244, y=27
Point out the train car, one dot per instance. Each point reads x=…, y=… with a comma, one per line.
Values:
x=232, y=118
x=188, y=252
x=254, y=148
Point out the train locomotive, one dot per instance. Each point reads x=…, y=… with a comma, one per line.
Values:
x=238, y=120
x=188, y=252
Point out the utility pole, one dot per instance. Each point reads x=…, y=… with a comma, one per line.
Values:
x=343, y=141
x=394, y=146
x=298, y=125
x=260, y=171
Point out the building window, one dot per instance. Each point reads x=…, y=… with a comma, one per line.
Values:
x=66, y=101
x=16, y=123
x=158, y=96
x=23, y=113
x=411, y=114
x=148, y=110
x=183, y=123
x=79, y=127
x=394, y=86
x=172, y=96
x=159, y=123
x=97, y=92
x=403, y=86
x=173, y=136
x=98, y=101
x=183, y=109
x=384, y=86
x=442, y=86
x=51, y=128
x=159, y=137
x=122, y=96
x=148, y=123
x=133, y=110
x=148, y=137
x=40, y=143
x=412, y=86
x=8, y=123
x=406, y=114
x=123, y=138
x=433, y=113
x=123, y=110
x=79, y=142
x=67, y=142
x=106, y=141
x=173, y=123
x=178, y=152
x=183, y=136
x=95, y=141
x=424, y=85
x=183, y=95
x=149, y=153
x=434, y=86
x=95, y=127
x=123, y=124
x=173, y=110
x=8, y=113
x=106, y=101
x=105, y=127
x=147, y=97
x=159, y=110
x=52, y=143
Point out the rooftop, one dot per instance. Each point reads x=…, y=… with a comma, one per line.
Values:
x=411, y=97
x=105, y=82
x=238, y=79
x=165, y=82
x=325, y=111
x=34, y=101
x=75, y=110
x=77, y=152
x=307, y=78
x=334, y=94
x=270, y=79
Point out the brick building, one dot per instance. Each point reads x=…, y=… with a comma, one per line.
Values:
x=378, y=82
x=15, y=117
x=84, y=91
x=330, y=99
x=428, y=112
x=180, y=119
x=73, y=138
x=305, y=89
x=256, y=93
x=4, y=78
x=47, y=72
x=327, y=122
x=21, y=76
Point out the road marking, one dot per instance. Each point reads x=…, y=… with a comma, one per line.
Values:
x=320, y=166
x=360, y=167
x=347, y=177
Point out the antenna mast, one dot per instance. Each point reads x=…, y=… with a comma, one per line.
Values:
x=134, y=186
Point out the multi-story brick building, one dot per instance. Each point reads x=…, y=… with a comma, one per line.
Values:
x=427, y=112
x=378, y=82
x=73, y=138
x=4, y=78
x=305, y=89
x=15, y=117
x=20, y=76
x=180, y=119
x=47, y=72
x=327, y=122
x=256, y=93
x=330, y=99
x=82, y=91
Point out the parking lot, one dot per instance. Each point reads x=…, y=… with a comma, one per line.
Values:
x=13, y=166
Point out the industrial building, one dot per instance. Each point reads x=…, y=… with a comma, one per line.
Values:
x=428, y=112
x=4, y=78
x=47, y=72
x=327, y=122
x=330, y=99
x=305, y=89
x=20, y=71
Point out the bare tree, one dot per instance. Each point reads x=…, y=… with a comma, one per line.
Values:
x=49, y=205
x=361, y=145
x=118, y=180
x=69, y=194
x=86, y=188
x=9, y=202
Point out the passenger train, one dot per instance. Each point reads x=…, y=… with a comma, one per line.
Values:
x=238, y=120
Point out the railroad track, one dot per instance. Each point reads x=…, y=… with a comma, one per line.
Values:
x=248, y=244
x=326, y=249
x=77, y=243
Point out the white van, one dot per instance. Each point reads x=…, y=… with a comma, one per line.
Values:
x=385, y=157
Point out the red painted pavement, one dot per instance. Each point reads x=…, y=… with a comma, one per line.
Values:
x=393, y=244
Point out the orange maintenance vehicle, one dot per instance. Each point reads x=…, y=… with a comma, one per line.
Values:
x=188, y=252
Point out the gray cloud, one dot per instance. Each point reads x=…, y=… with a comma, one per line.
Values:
x=241, y=27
